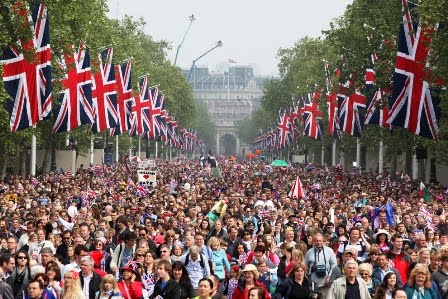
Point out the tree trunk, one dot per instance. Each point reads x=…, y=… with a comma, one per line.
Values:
x=3, y=169
x=23, y=163
x=408, y=163
x=393, y=164
x=45, y=161
x=53, y=153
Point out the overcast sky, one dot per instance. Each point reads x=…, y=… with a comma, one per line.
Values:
x=252, y=31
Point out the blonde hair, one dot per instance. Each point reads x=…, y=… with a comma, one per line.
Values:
x=365, y=267
x=73, y=290
x=214, y=240
x=297, y=255
x=109, y=278
x=420, y=269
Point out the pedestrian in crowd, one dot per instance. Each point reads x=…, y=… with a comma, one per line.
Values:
x=419, y=283
x=21, y=275
x=72, y=286
x=180, y=275
x=349, y=286
x=365, y=271
x=166, y=287
x=108, y=288
x=130, y=285
x=205, y=289
x=296, y=286
x=387, y=287
x=251, y=275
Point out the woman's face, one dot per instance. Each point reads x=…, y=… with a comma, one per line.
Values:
x=218, y=225
x=425, y=257
x=70, y=251
x=249, y=276
x=240, y=249
x=392, y=280
x=149, y=258
x=420, y=279
x=99, y=246
x=127, y=275
x=51, y=274
x=178, y=251
x=299, y=274
x=108, y=286
x=177, y=273
x=68, y=280
x=214, y=246
x=414, y=257
x=204, y=224
x=253, y=294
x=382, y=238
x=205, y=288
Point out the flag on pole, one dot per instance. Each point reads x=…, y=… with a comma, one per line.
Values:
x=424, y=192
x=297, y=189
x=423, y=212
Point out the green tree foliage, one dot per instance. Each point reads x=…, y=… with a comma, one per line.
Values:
x=86, y=20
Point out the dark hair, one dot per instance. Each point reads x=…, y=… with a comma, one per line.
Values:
x=235, y=249
x=260, y=248
x=41, y=285
x=382, y=288
x=396, y=236
x=128, y=235
x=209, y=281
x=184, y=279
x=54, y=267
x=78, y=248
x=261, y=292
x=4, y=258
x=44, y=277
x=122, y=219
x=26, y=254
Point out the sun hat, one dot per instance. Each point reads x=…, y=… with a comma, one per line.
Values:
x=252, y=268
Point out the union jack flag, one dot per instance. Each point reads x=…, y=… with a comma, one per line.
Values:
x=332, y=103
x=349, y=106
x=265, y=214
x=139, y=105
x=377, y=109
x=411, y=104
x=284, y=130
x=311, y=115
x=104, y=93
x=76, y=98
x=28, y=82
x=153, y=112
x=141, y=190
x=125, y=97
x=423, y=212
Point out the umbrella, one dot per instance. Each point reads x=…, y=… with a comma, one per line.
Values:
x=279, y=163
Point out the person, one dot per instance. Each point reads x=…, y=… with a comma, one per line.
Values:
x=130, y=285
x=180, y=275
x=387, y=287
x=101, y=256
x=47, y=293
x=285, y=261
x=419, y=283
x=54, y=278
x=399, y=294
x=296, y=286
x=235, y=275
x=357, y=240
x=71, y=288
x=205, y=289
x=35, y=289
x=197, y=265
x=90, y=280
x=440, y=277
x=5, y=289
x=21, y=275
x=383, y=268
x=250, y=280
x=216, y=294
x=319, y=260
x=365, y=271
x=108, y=288
x=257, y=293
x=220, y=262
x=349, y=286
x=268, y=278
x=399, y=257
x=7, y=264
x=124, y=251
x=166, y=287
x=382, y=238
x=80, y=252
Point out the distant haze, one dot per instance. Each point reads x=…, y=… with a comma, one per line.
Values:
x=251, y=31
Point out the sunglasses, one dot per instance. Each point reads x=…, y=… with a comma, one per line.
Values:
x=21, y=257
x=140, y=255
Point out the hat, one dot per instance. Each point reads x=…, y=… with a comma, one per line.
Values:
x=346, y=251
x=382, y=231
x=252, y=268
x=127, y=268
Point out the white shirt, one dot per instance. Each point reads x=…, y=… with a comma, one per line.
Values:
x=85, y=288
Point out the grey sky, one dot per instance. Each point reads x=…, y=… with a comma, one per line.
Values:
x=252, y=31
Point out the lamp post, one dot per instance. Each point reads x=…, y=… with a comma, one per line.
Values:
x=217, y=45
x=191, y=19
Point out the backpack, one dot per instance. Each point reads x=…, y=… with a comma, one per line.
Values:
x=363, y=247
x=201, y=260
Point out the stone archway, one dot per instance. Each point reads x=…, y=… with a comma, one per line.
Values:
x=228, y=145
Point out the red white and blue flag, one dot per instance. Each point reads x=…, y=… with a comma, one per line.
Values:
x=296, y=189
x=125, y=97
x=139, y=106
x=332, y=105
x=411, y=104
x=311, y=116
x=104, y=93
x=350, y=103
x=284, y=130
x=75, y=99
x=28, y=79
x=377, y=109
x=153, y=112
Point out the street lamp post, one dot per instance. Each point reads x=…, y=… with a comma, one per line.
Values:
x=191, y=19
x=217, y=45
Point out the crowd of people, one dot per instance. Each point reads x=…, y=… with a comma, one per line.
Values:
x=237, y=233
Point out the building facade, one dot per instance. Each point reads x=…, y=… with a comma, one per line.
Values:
x=230, y=97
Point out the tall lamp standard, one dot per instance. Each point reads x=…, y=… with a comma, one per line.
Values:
x=217, y=45
x=191, y=19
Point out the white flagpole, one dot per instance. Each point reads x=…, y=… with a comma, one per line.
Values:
x=117, y=155
x=358, y=154
x=333, y=158
x=74, y=160
x=91, y=151
x=139, y=145
x=130, y=148
x=33, y=155
x=381, y=158
x=157, y=149
x=322, y=157
x=414, y=166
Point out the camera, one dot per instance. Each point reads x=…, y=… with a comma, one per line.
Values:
x=319, y=270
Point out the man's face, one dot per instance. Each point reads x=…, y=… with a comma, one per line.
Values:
x=86, y=268
x=12, y=244
x=84, y=231
x=34, y=290
x=40, y=235
x=398, y=243
x=382, y=261
x=46, y=258
x=351, y=269
x=318, y=241
x=199, y=240
x=10, y=265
